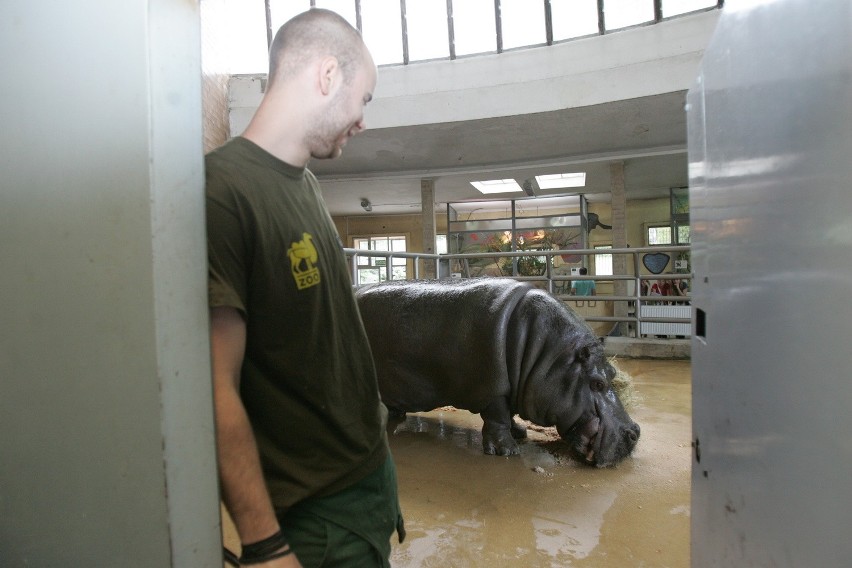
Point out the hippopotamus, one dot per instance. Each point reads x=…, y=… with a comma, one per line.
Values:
x=500, y=348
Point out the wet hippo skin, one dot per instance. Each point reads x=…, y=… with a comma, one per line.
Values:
x=496, y=347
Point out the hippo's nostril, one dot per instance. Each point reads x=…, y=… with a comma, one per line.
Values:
x=632, y=433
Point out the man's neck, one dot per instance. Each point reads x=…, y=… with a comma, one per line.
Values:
x=278, y=135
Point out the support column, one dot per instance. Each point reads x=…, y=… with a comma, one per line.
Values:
x=619, y=236
x=106, y=407
x=427, y=199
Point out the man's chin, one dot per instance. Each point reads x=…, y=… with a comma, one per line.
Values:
x=335, y=153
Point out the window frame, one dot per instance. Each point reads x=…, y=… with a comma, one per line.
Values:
x=378, y=265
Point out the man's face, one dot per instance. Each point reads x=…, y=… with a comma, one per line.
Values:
x=345, y=115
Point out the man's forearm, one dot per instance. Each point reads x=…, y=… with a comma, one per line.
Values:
x=243, y=488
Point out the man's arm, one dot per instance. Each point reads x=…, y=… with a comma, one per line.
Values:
x=243, y=488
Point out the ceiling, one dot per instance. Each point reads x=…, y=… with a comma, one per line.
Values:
x=386, y=165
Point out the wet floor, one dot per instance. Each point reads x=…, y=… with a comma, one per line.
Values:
x=465, y=509
x=540, y=509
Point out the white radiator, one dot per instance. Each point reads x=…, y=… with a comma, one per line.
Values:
x=676, y=311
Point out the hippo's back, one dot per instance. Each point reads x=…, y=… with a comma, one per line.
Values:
x=439, y=342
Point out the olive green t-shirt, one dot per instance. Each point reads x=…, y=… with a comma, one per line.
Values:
x=308, y=381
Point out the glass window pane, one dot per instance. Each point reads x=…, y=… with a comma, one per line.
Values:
x=382, y=30
x=659, y=236
x=683, y=235
x=398, y=244
x=345, y=8
x=362, y=244
x=523, y=23
x=603, y=262
x=675, y=7
x=623, y=13
x=427, y=29
x=573, y=18
x=247, y=49
x=440, y=244
x=368, y=276
x=473, y=26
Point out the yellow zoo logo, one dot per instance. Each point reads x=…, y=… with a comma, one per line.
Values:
x=303, y=258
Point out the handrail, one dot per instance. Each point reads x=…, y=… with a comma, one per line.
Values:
x=549, y=277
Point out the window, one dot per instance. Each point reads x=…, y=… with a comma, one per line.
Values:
x=372, y=269
x=474, y=24
x=474, y=29
x=624, y=13
x=675, y=7
x=381, y=21
x=522, y=24
x=426, y=22
x=440, y=244
x=603, y=262
x=247, y=37
x=574, y=18
x=659, y=235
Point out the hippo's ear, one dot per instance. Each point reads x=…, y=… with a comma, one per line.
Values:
x=584, y=353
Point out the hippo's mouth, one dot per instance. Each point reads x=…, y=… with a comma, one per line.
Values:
x=585, y=440
x=591, y=436
x=593, y=444
x=598, y=440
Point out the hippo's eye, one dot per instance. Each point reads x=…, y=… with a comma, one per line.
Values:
x=597, y=385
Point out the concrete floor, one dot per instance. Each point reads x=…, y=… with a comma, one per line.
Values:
x=466, y=509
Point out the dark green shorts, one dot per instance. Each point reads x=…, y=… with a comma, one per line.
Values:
x=350, y=528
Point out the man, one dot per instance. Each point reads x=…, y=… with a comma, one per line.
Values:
x=304, y=465
x=583, y=287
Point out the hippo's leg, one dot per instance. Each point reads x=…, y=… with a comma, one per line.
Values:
x=519, y=431
x=396, y=414
x=395, y=418
x=497, y=429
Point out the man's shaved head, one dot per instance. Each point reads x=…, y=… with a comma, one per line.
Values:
x=312, y=34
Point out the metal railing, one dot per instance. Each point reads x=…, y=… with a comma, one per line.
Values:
x=555, y=282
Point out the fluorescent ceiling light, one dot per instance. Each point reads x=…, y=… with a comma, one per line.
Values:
x=496, y=186
x=558, y=181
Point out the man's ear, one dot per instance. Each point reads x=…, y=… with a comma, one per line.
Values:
x=329, y=74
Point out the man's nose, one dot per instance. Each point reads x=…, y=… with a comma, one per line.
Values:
x=360, y=126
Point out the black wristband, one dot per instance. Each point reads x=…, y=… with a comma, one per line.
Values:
x=265, y=550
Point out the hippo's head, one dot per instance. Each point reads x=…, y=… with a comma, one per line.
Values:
x=579, y=399
x=597, y=429
x=567, y=381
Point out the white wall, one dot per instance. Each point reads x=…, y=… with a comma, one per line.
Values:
x=648, y=60
x=106, y=453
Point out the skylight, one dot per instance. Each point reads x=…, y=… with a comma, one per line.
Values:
x=558, y=181
x=496, y=186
